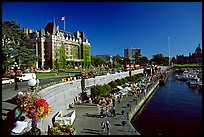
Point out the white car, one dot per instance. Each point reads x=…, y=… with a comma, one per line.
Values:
x=7, y=81
x=27, y=76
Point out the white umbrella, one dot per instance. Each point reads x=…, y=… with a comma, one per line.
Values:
x=125, y=89
x=119, y=87
x=128, y=88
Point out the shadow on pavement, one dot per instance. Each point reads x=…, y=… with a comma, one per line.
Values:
x=92, y=115
x=118, y=124
x=91, y=131
x=8, y=123
x=12, y=101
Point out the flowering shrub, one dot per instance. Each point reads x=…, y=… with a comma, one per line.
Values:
x=58, y=129
x=11, y=73
x=19, y=72
x=34, y=106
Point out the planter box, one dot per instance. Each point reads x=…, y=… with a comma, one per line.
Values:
x=65, y=119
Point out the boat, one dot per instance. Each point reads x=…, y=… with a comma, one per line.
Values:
x=200, y=85
x=182, y=77
x=194, y=81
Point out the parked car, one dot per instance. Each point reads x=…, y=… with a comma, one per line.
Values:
x=7, y=81
x=27, y=76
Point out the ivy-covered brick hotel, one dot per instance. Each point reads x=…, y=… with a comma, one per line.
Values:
x=57, y=48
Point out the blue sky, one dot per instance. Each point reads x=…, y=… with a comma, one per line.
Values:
x=112, y=27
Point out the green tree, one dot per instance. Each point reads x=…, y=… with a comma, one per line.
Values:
x=105, y=90
x=15, y=46
x=98, y=61
x=159, y=59
x=143, y=60
x=173, y=60
x=116, y=60
x=113, y=84
x=126, y=61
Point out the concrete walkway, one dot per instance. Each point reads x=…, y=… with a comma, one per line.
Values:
x=88, y=120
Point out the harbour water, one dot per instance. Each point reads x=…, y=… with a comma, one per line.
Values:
x=174, y=109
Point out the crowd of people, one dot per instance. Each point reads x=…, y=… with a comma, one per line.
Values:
x=107, y=104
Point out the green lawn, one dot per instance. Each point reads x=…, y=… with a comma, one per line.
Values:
x=67, y=72
x=187, y=65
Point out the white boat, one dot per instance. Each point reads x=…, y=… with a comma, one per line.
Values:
x=183, y=77
x=200, y=85
x=193, y=81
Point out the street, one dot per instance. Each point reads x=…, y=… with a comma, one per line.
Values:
x=8, y=89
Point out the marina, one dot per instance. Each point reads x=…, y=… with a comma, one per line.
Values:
x=175, y=109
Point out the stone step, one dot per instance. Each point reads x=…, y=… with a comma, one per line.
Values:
x=6, y=108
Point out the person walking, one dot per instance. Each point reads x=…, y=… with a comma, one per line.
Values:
x=108, y=127
x=113, y=110
x=103, y=125
x=106, y=112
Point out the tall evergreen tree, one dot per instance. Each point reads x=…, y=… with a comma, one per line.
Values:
x=15, y=46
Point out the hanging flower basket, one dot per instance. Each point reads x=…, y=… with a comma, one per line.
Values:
x=12, y=73
x=33, y=106
x=19, y=73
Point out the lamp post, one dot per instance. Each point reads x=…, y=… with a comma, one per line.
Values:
x=15, y=68
x=32, y=83
x=34, y=130
x=169, y=49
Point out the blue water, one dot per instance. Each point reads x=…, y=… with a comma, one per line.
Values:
x=174, y=109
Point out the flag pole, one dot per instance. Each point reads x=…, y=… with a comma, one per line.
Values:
x=64, y=22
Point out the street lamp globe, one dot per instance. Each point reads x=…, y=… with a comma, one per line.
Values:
x=32, y=83
x=15, y=67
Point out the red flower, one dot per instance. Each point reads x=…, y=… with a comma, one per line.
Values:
x=34, y=106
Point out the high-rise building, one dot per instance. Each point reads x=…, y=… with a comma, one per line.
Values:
x=132, y=53
x=47, y=42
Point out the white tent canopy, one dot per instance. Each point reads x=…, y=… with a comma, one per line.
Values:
x=119, y=87
x=126, y=89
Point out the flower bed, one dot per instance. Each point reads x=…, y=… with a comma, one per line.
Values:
x=58, y=129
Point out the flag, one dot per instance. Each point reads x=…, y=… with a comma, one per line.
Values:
x=63, y=18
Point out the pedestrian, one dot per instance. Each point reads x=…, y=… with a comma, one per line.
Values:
x=103, y=125
x=106, y=111
x=129, y=106
x=113, y=110
x=113, y=102
x=118, y=98
x=127, y=116
x=102, y=112
x=108, y=127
